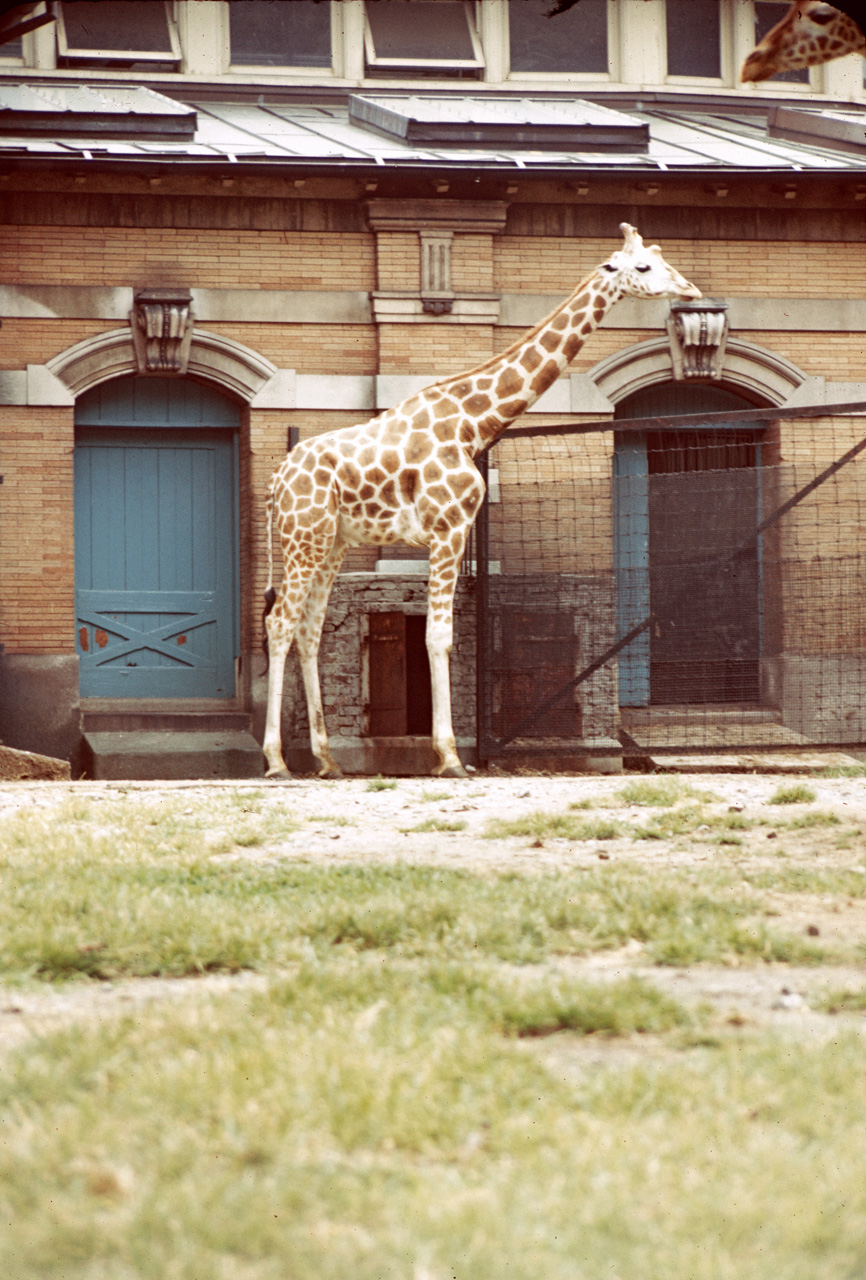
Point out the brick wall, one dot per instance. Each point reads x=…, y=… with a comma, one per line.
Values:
x=36, y=533
x=803, y=269
x=205, y=257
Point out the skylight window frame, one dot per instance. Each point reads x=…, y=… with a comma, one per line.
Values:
x=76, y=56
x=375, y=63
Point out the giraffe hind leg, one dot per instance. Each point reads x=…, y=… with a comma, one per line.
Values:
x=308, y=637
x=281, y=621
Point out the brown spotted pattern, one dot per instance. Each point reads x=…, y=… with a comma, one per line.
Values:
x=409, y=476
x=810, y=33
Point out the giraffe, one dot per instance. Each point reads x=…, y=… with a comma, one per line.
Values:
x=409, y=476
x=810, y=33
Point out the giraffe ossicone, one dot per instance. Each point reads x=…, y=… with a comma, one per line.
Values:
x=409, y=476
x=810, y=33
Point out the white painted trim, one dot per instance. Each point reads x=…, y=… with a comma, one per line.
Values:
x=228, y=364
x=511, y=310
x=746, y=366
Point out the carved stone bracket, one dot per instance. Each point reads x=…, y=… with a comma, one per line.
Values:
x=698, y=333
x=162, y=326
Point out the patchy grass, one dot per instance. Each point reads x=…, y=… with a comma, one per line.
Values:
x=424, y=1089
x=843, y=1001
x=813, y=818
x=684, y=820
x=828, y=881
x=381, y=784
x=543, y=825
x=437, y=824
x=112, y=894
x=843, y=771
x=793, y=793
x=662, y=792
x=357, y=1119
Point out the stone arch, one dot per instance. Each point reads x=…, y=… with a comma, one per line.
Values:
x=221, y=361
x=759, y=374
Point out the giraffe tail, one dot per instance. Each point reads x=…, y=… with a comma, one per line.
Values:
x=270, y=593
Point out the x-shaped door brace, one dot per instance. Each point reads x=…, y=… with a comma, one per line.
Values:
x=134, y=639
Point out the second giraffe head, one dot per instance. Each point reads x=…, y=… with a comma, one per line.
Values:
x=639, y=270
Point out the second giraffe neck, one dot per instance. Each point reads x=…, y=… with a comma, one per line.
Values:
x=495, y=393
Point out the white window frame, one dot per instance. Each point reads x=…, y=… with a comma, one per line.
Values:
x=375, y=63
x=259, y=71
x=615, y=35
x=78, y=55
x=729, y=72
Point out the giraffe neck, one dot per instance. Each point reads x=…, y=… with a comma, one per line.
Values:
x=494, y=394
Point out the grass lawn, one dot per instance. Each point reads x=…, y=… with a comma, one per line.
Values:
x=385, y=1103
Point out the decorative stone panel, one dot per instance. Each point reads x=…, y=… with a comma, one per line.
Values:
x=162, y=325
x=698, y=333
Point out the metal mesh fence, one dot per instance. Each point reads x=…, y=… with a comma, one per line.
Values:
x=674, y=585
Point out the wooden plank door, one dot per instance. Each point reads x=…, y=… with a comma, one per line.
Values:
x=155, y=563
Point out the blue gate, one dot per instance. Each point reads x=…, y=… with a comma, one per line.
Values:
x=156, y=541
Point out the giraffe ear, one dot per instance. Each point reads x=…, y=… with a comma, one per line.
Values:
x=633, y=241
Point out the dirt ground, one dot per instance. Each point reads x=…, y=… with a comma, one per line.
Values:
x=347, y=822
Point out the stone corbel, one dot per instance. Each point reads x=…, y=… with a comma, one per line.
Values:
x=162, y=327
x=698, y=333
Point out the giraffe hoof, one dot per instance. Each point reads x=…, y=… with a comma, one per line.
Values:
x=453, y=771
x=331, y=772
x=279, y=775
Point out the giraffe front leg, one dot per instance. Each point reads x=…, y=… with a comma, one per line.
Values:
x=308, y=639
x=440, y=638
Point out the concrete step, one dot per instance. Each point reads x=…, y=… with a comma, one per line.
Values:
x=154, y=755
x=184, y=719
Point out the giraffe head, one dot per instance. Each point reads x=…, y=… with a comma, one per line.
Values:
x=811, y=32
x=639, y=271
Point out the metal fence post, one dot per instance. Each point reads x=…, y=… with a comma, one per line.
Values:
x=482, y=593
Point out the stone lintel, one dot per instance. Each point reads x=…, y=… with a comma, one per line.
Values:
x=404, y=307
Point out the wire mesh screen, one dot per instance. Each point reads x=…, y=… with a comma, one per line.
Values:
x=674, y=589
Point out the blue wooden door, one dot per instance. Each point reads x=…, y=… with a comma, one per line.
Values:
x=631, y=560
x=155, y=542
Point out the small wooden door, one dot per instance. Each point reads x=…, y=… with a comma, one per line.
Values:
x=399, y=670
x=155, y=545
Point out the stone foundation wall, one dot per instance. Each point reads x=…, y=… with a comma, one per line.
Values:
x=342, y=657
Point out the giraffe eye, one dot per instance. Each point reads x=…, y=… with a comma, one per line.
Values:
x=643, y=267
x=608, y=266
x=823, y=14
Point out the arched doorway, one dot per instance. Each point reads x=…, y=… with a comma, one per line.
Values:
x=686, y=509
x=156, y=540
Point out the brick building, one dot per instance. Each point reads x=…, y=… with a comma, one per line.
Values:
x=227, y=226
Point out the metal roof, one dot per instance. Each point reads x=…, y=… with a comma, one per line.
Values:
x=29, y=109
x=133, y=123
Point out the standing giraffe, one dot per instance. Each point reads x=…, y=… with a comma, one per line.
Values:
x=810, y=33
x=409, y=476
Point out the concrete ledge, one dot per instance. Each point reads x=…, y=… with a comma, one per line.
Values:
x=18, y=766
x=400, y=757
x=171, y=756
x=590, y=755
